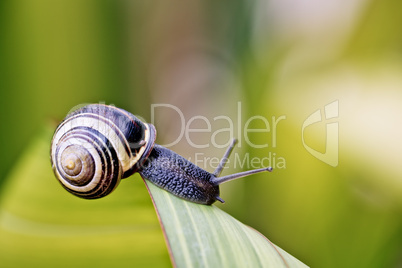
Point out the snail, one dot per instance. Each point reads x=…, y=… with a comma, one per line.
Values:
x=97, y=145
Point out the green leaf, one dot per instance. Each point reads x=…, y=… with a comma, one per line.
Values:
x=205, y=236
x=42, y=225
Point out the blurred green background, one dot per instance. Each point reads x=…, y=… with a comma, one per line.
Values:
x=208, y=58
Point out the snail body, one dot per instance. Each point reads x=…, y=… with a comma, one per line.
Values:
x=97, y=145
x=179, y=176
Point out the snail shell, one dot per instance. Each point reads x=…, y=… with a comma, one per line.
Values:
x=98, y=145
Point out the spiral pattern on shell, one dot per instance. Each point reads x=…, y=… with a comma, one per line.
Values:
x=98, y=145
